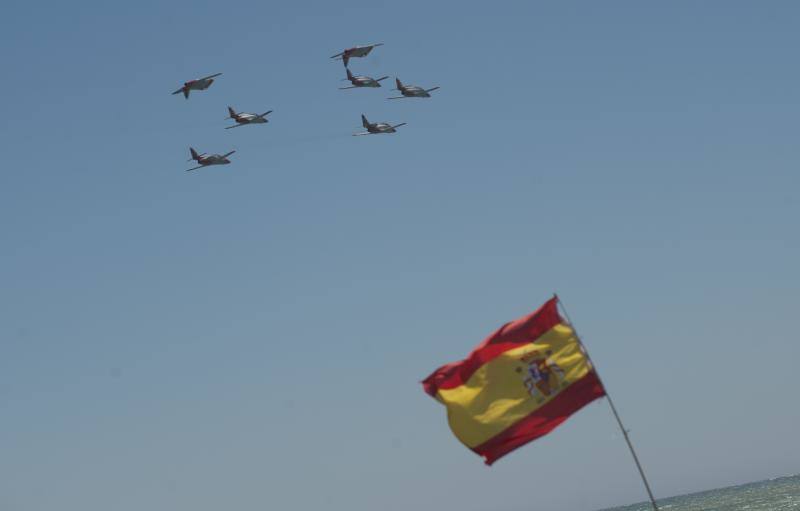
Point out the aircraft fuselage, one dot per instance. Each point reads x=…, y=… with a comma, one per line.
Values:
x=250, y=119
x=358, y=51
x=213, y=159
x=199, y=84
x=364, y=81
x=381, y=127
x=412, y=91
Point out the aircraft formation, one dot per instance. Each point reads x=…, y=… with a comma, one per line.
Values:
x=356, y=82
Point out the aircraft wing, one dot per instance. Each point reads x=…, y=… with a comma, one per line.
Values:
x=361, y=133
x=337, y=55
x=195, y=168
x=398, y=125
x=209, y=76
x=234, y=126
x=265, y=113
x=398, y=97
x=350, y=87
x=433, y=89
x=178, y=91
x=381, y=78
x=228, y=154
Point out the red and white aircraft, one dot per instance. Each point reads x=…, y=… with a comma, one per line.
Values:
x=361, y=81
x=243, y=118
x=412, y=91
x=204, y=160
x=199, y=84
x=376, y=128
x=356, y=51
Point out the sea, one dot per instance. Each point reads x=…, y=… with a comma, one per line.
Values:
x=780, y=494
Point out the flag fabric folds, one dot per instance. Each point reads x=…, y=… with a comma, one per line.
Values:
x=517, y=385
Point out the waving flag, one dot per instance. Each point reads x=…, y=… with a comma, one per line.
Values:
x=517, y=385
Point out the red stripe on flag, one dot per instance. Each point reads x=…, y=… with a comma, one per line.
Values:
x=544, y=419
x=511, y=335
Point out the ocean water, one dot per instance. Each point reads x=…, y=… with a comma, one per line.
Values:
x=779, y=494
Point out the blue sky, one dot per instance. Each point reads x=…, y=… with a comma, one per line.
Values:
x=252, y=336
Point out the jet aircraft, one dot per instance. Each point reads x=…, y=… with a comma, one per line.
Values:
x=376, y=128
x=204, y=160
x=356, y=51
x=361, y=81
x=412, y=91
x=244, y=118
x=199, y=84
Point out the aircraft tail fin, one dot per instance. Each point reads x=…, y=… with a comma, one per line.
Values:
x=195, y=156
x=232, y=113
x=398, y=83
x=364, y=121
x=349, y=74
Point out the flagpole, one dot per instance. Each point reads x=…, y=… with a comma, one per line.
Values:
x=613, y=408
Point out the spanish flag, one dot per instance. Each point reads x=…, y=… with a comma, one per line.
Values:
x=517, y=385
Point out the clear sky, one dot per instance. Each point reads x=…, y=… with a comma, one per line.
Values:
x=252, y=336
